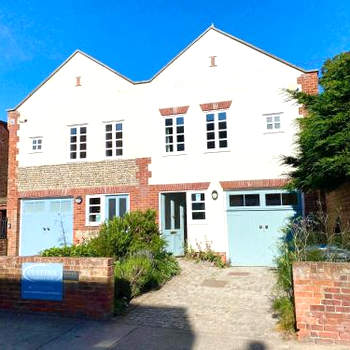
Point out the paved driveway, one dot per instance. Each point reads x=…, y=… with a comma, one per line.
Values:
x=203, y=308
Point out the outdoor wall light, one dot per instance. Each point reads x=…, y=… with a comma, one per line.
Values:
x=78, y=200
x=214, y=195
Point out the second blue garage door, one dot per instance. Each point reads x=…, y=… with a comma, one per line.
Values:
x=255, y=220
x=45, y=223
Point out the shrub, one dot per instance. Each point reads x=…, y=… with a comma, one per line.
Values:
x=142, y=262
x=204, y=255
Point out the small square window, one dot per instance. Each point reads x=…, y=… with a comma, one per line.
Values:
x=36, y=144
x=273, y=122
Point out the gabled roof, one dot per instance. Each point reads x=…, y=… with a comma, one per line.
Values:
x=166, y=66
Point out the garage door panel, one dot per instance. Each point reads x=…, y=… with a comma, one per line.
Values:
x=255, y=234
x=45, y=224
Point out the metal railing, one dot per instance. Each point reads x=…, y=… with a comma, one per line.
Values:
x=3, y=228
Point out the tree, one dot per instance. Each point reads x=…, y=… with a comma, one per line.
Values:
x=322, y=160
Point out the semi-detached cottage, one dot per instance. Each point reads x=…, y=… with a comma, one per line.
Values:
x=200, y=142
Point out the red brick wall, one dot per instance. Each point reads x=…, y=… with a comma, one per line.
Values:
x=92, y=296
x=4, y=138
x=338, y=205
x=251, y=184
x=322, y=301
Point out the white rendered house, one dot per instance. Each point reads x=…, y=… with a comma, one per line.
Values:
x=200, y=142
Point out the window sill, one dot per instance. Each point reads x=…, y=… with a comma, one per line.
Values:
x=273, y=132
x=36, y=152
x=174, y=154
x=217, y=150
x=89, y=224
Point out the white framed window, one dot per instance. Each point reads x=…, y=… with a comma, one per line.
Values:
x=216, y=130
x=36, y=144
x=273, y=122
x=94, y=210
x=174, y=134
x=78, y=142
x=114, y=139
x=198, y=206
x=104, y=207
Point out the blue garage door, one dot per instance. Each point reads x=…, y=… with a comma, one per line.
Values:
x=45, y=223
x=255, y=220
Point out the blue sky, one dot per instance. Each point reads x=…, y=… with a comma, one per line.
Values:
x=138, y=37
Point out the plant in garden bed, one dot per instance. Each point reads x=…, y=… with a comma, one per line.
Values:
x=142, y=262
x=204, y=255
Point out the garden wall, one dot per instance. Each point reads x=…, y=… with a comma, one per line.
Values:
x=87, y=288
x=322, y=301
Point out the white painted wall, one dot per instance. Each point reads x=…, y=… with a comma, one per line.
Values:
x=253, y=81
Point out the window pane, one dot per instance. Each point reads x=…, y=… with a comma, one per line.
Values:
x=180, y=138
x=169, y=148
x=73, y=147
x=73, y=155
x=119, y=143
x=198, y=215
x=83, y=146
x=269, y=119
x=95, y=200
x=95, y=209
x=118, y=135
x=198, y=206
x=168, y=139
x=119, y=126
x=109, y=136
x=168, y=122
x=73, y=139
x=109, y=144
x=223, y=143
x=222, y=134
x=180, y=129
x=111, y=208
x=109, y=127
x=273, y=199
x=83, y=138
x=277, y=125
x=210, y=126
x=289, y=199
x=222, y=116
x=92, y=218
x=73, y=131
x=122, y=206
x=83, y=130
x=210, y=117
x=277, y=118
x=119, y=152
x=180, y=121
x=210, y=145
x=181, y=147
x=236, y=200
x=109, y=153
x=269, y=126
x=168, y=131
x=222, y=125
x=252, y=200
x=82, y=154
x=210, y=136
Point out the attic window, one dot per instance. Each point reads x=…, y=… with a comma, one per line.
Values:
x=212, y=61
x=77, y=81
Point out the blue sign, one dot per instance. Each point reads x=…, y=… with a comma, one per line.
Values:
x=42, y=281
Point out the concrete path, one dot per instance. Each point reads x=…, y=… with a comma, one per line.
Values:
x=203, y=308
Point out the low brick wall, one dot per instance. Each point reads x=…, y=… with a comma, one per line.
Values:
x=3, y=246
x=91, y=296
x=322, y=301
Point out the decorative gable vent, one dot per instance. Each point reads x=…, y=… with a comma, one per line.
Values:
x=212, y=61
x=77, y=81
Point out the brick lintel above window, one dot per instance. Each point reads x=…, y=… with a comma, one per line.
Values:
x=212, y=106
x=173, y=110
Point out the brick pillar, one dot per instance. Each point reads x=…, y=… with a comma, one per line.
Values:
x=12, y=193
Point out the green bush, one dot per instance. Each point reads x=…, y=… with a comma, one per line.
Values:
x=142, y=262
